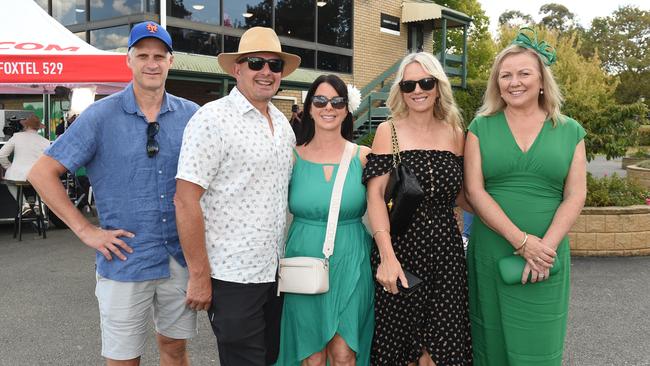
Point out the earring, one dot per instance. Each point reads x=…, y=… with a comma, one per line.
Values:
x=541, y=91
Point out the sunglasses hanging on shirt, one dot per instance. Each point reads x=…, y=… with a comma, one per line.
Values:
x=408, y=86
x=152, y=144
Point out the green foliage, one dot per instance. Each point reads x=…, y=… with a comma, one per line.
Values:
x=515, y=19
x=644, y=135
x=480, y=46
x=634, y=87
x=640, y=154
x=644, y=164
x=469, y=100
x=621, y=40
x=366, y=140
x=614, y=191
x=558, y=17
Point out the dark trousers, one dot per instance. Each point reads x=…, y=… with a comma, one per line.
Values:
x=245, y=319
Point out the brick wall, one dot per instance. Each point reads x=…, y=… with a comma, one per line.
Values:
x=611, y=231
x=375, y=51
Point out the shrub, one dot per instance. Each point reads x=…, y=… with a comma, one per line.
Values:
x=640, y=153
x=644, y=164
x=469, y=100
x=644, y=135
x=614, y=191
x=366, y=140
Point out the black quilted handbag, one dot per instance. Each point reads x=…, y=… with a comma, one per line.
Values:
x=403, y=192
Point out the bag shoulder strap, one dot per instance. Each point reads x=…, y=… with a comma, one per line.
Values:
x=393, y=135
x=335, y=201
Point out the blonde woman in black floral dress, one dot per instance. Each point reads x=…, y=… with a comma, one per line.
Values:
x=429, y=326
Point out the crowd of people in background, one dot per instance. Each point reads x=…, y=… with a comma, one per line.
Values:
x=193, y=205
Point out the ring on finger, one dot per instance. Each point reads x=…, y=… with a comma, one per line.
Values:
x=385, y=289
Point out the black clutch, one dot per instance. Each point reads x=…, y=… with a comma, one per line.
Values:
x=403, y=192
x=413, y=280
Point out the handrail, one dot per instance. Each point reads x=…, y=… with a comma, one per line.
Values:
x=380, y=78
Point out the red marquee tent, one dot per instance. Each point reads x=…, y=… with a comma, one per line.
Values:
x=37, y=54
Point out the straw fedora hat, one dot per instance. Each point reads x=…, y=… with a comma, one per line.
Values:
x=259, y=39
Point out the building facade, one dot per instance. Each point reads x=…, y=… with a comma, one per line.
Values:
x=360, y=40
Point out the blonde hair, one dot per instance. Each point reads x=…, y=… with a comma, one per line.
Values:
x=550, y=101
x=444, y=109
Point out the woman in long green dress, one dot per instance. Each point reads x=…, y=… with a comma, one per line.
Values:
x=336, y=326
x=525, y=175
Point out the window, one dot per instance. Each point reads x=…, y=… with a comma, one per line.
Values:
x=335, y=23
x=69, y=12
x=81, y=35
x=306, y=56
x=295, y=19
x=42, y=4
x=103, y=9
x=110, y=38
x=203, y=11
x=230, y=44
x=247, y=13
x=192, y=41
x=333, y=62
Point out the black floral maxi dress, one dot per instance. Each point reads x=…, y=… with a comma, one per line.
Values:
x=435, y=317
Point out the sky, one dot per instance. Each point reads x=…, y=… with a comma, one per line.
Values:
x=585, y=10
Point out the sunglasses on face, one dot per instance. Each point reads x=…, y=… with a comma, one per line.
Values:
x=152, y=144
x=408, y=86
x=320, y=101
x=257, y=63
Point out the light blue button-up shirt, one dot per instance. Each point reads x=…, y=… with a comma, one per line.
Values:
x=132, y=191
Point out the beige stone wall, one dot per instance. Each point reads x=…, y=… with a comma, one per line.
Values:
x=641, y=175
x=375, y=51
x=611, y=231
x=627, y=161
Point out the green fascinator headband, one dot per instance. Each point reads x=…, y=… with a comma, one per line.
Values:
x=527, y=38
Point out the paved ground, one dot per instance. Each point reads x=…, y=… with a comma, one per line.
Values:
x=48, y=311
x=601, y=166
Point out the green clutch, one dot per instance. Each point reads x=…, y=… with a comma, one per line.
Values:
x=511, y=268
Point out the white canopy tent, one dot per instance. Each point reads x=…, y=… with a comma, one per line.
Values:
x=37, y=54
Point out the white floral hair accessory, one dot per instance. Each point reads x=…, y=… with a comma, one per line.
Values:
x=354, y=98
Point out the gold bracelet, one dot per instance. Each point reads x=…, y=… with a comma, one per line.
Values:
x=523, y=243
x=379, y=231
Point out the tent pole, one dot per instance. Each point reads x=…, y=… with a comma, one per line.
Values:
x=163, y=13
x=46, y=115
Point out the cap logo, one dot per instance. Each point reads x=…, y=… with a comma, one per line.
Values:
x=152, y=28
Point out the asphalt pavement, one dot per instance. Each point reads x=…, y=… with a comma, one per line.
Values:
x=49, y=316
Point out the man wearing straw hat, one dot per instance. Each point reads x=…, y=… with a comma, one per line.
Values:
x=231, y=201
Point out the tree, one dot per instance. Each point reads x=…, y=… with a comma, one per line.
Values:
x=621, y=40
x=557, y=16
x=480, y=46
x=515, y=19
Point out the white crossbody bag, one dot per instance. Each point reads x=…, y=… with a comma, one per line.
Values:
x=309, y=275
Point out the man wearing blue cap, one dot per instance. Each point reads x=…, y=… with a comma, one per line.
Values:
x=130, y=142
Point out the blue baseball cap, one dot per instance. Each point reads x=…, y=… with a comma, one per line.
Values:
x=150, y=29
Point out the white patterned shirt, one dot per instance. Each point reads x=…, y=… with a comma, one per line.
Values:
x=228, y=149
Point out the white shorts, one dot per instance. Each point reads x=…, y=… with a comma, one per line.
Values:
x=126, y=307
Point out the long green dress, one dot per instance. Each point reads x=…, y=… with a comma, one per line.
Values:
x=517, y=325
x=309, y=322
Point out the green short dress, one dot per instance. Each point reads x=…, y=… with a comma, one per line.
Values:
x=309, y=322
x=520, y=325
